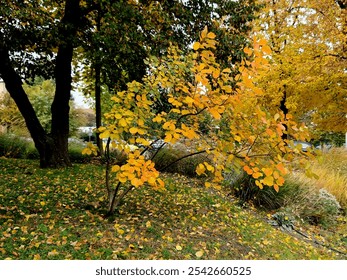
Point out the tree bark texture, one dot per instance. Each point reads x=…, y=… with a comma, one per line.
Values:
x=52, y=147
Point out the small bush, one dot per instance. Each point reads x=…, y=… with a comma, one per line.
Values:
x=186, y=166
x=244, y=188
x=315, y=206
x=331, y=169
x=13, y=146
x=303, y=201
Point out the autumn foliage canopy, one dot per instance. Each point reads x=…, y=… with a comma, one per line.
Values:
x=210, y=111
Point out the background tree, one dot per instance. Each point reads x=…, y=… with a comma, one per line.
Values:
x=151, y=26
x=38, y=38
x=41, y=95
x=308, y=63
x=10, y=118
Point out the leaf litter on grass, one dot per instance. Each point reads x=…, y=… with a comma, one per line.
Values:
x=58, y=214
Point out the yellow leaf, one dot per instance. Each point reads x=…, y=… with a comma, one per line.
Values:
x=204, y=33
x=281, y=168
x=247, y=51
x=143, y=141
x=179, y=248
x=140, y=122
x=175, y=111
x=157, y=119
x=214, y=112
x=168, y=137
x=266, y=49
x=122, y=179
x=269, y=181
x=188, y=100
x=133, y=130
x=260, y=185
x=196, y=46
x=269, y=131
x=115, y=168
x=237, y=138
x=209, y=167
x=118, y=116
x=161, y=183
x=207, y=184
x=211, y=35
x=256, y=175
x=122, y=122
x=267, y=171
x=136, y=182
x=53, y=253
x=105, y=134
x=248, y=170
x=148, y=224
x=280, y=181
x=43, y=203
x=200, y=169
x=199, y=253
x=262, y=42
x=216, y=73
x=86, y=151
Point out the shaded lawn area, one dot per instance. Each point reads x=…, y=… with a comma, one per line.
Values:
x=58, y=214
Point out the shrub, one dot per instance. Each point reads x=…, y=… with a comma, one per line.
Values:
x=243, y=187
x=185, y=166
x=295, y=198
x=315, y=206
x=331, y=169
x=13, y=146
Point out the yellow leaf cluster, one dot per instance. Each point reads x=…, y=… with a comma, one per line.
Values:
x=90, y=149
x=138, y=171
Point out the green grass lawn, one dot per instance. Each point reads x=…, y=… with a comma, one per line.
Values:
x=58, y=214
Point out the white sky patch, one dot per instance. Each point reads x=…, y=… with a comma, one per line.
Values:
x=81, y=101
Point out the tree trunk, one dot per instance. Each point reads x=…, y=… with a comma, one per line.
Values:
x=98, y=105
x=284, y=109
x=53, y=147
x=97, y=69
x=43, y=143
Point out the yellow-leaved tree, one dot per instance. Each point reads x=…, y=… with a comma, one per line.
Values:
x=307, y=72
x=240, y=130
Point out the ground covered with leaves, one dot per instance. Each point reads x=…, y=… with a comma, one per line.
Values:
x=59, y=214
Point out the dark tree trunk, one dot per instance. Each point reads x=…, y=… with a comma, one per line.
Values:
x=97, y=68
x=60, y=107
x=98, y=106
x=43, y=143
x=284, y=109
x=53, y=147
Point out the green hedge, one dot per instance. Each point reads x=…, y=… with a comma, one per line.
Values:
x=12, y=146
